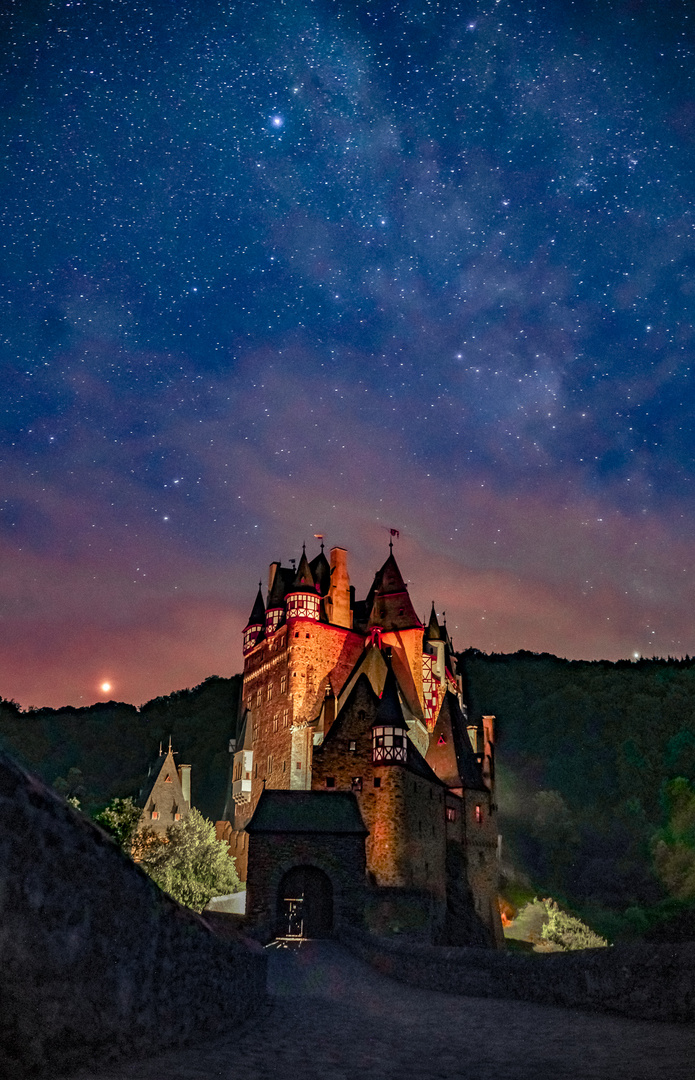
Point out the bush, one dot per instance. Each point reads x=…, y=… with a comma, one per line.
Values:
x=566, y=932
x=191, y=864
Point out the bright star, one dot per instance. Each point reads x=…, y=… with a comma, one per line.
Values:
x=277, y=121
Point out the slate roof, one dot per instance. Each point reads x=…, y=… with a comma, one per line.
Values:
x=453, y=757
x=389, y=709
x=257, y=616
x=282, y=582
x=304, y=581
x=434, y=630
x=388, y=601
x=334, y=812
x=321, y=572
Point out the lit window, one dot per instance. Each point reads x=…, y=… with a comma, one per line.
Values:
x=353, y=746
x=450, y=813
x=478, y=813
x=356, y=783
x=155, y=815
x=177, y=817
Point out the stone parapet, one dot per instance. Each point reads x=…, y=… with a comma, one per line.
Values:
x=95, y=961
x=650, y=982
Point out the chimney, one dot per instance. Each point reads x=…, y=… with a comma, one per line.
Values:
x=340, y=612
x=184, y=772
x=272, y=571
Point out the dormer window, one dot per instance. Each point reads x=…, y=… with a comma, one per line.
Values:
x=388, y=745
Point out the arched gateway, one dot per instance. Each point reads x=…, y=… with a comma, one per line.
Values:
x=305, y=903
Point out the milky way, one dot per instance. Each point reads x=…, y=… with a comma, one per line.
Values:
x=273, y=269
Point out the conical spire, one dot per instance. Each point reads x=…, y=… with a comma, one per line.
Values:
x=433, y=631
x=321, y=572
x=389, y=710
x=304, y=578
x=257, y=616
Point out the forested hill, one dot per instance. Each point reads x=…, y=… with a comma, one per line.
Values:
x=105, y=749
x=587, y=753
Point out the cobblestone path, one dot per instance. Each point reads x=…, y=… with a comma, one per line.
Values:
x=331, y=1017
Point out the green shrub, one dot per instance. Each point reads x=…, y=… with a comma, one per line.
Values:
x=566, y=932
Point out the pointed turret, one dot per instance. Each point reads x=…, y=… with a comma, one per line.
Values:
x=389, y=730
x=434, y=630
x=304, y=578
x=302, y=600
x=390, y=710
x=255, y=628
x=391, y=606
x=321, y=572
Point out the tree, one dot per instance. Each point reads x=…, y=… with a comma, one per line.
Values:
x=674, y=844
x=120, y=818
x=191, y=864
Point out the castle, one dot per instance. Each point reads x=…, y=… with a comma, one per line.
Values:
x=362, y=792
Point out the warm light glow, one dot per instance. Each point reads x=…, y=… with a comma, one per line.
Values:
x=106, y=686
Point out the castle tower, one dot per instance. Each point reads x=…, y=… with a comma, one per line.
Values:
x=392, y=616
x=255, y=627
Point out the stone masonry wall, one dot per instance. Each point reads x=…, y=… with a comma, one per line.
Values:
x=652, y=982
x=290, y=669
x=95, y=961
x=273, y=854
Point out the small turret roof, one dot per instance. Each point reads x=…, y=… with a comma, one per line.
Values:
x=389, y=711
x=434, y=630
x=321, y=572
x=257, y=616
x=304, y=581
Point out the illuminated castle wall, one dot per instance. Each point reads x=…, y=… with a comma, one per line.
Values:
x=342, y=695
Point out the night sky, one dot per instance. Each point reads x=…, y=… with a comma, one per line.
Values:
x=278, y=269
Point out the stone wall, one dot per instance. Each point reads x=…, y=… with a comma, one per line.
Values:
x=95, y=961
x=651, y=982
x=273, y=854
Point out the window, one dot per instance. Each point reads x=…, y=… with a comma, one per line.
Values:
x=308, y=636
x=283, y=684
x=356, y=783
x=330, y=781
x=481, y=858
x=276, y=722
x=297, y=764
x=177, y=817
x=377, y=781
x=286, y=717
x=155, y=815
x=478, y=813
x=270, y=764
x=450, y=813
x=388, y=745
x=353, y=746
x=259, y=697
x=269, y=692
x=296, y=633
x=284, y=766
